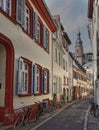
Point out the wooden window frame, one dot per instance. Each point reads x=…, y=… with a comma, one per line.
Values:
x=29, y=63
x=47, y=81
x=40, y=81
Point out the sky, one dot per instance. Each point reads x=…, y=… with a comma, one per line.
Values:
x=73, y=16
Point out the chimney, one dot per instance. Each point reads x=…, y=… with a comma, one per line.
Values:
x=57, y=17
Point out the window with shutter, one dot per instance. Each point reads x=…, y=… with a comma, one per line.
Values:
x=35, y=24
x=38, y=32
x=45, y=82
x=44, y=36
x=20, y=12
x=27, y=19
x=19, y=83
x=1, y=4
x=47, y=40
x=24, y=76
x=36, y=81
x=6, y=6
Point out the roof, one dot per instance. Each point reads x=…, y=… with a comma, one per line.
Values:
x=67, y=38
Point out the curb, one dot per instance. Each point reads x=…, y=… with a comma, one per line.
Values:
x=86, y=119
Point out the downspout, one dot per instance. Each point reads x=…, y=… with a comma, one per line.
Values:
x=52, y=66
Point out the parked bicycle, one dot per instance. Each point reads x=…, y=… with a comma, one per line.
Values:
x=41, y=109
x=24, y=117
x=93, y=107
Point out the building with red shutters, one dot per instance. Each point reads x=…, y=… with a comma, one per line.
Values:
x=25, y=55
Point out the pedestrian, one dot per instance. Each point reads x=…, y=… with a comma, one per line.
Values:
x=95, y=101
x=91, y=101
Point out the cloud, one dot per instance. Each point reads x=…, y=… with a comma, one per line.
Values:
x=73, y=14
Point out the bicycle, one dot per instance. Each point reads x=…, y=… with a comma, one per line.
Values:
x=97, y=111
x=41, y=109
x=23, y=118
x=94, y=109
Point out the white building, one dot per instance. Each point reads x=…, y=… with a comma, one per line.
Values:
x=25, y=55
x=93, y=30
x=60, y=62
x=70, y=72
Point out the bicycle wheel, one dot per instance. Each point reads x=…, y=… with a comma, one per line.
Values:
x=26, y=118
x=35, y=118
x=97, y=112
x=18, y=122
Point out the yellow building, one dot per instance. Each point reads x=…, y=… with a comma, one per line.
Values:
x=80, y=81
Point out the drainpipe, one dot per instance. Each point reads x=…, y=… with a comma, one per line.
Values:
x=52, y=66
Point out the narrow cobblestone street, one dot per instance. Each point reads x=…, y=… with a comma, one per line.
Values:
x=71, y=117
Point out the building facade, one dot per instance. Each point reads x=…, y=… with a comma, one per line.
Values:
x=81, y=84
x=34, y=58
x=79, y=49
x=93, y=31
x=25, y=55
x=60, y=61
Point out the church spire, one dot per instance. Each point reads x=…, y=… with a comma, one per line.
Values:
x=79, y=49
x=79, y=41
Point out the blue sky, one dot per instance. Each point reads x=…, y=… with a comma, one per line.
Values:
x=73, y=15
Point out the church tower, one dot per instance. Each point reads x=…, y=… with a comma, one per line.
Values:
x=79, y=49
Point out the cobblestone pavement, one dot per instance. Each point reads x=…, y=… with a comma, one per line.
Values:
x=71, y=118
x=93, y=122
x=46, y=117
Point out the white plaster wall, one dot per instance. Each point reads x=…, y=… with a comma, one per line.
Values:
x=94, y=48
x=2, y=73
x=26, y=47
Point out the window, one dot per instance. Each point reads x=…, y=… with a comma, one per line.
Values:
x=20, y=12
x=35, y=24
x=6, y=6
x=37, y=28
x=24, y=76
x=55, y=54
x=38, y=32
x=59, y=58
x=45, y=38
x=59, y=88
x=27, y=19
x=37, y=79
x=64, y=80
x=64, y=64
x=67, y=82
x=45, y=81
x=1, y=4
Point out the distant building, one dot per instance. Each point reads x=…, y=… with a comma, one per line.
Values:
x=88, y=57
x=89, y=70
x=60, y=62
x=79, y=49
